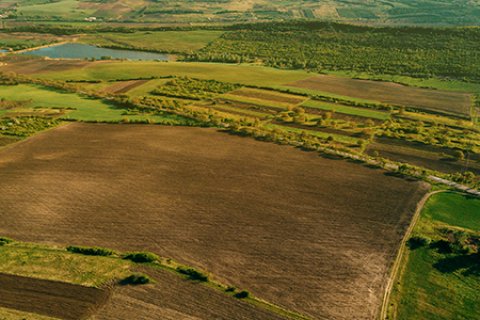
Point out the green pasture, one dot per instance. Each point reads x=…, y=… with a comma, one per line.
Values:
x=85, y=109
x=234, y=73
x=434, y=285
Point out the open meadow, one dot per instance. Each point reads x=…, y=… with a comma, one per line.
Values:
x=217, y=202
x=444, y=265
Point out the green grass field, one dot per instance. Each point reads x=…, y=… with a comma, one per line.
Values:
x=361, y=112
x=86, y=109
x=453, y=209
x=66, y=9
x=426, y=291
x=244, y=74
x=51, y=263
x=165, y=41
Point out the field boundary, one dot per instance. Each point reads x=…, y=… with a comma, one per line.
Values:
x=400, y=255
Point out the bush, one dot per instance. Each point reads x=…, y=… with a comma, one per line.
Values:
x=230, y=289
x=242, y=294
x=4, y=241
x=193, y=274
x=135, y=279
x=90, y=251
x=141, y=257
x=417, y=242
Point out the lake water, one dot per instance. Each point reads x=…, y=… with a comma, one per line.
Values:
x=82, y=51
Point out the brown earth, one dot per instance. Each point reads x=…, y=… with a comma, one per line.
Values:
x=124, y=86
x=172, y=297
x=24, y=65
x=313, y=235
x=392, y=93
x=50, y=298
x=430, y=157
x=265, y=95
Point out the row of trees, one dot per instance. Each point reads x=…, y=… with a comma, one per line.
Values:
x=195, y=89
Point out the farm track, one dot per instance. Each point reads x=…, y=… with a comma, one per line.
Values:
x=394, y=274
x=50, y=298
x=261, y=217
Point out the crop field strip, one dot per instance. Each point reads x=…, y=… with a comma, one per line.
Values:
x=395, y=94
x=58, y=161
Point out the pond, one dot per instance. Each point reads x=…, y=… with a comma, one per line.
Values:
x=82, y=51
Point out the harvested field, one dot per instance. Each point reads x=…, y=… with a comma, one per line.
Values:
x=269, y=96
x=50, y=298
x=31, y=66
x=173, y=298
x=392, y=93
x=267, y=218
x=424, y=156
x=124, y=86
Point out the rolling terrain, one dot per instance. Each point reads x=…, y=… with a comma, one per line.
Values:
x=457, y=12
x=239, y=159
x=193, y=206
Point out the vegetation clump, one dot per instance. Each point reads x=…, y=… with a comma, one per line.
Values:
x=193, y=274
x=417, y=242
x=195, y=89
x=135, y=279
x=141, y=257
x=5, y=240
x=242, y=294
x=90, y=251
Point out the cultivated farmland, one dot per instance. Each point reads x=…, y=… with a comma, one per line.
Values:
x=258, y=216
x=392, y=93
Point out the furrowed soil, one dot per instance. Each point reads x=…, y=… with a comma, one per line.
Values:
x=311, y=234
x=440, y=159
x=393, y=93
x=124, y=86
x=172, y=297
x=50, y=298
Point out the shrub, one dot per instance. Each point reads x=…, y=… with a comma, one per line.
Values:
x=4, y=241
x=230, y=289
x=135, y=279
x=193, y=274
x=242, y=294
x=141, y=257
x=417, y=242
x=90, y=251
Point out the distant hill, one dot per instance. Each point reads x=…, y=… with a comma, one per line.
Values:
x=430, y=12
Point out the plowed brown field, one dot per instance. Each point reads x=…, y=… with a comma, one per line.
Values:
x=124, y=86
x=172, y=298
x=313, y=235
x=393, y=93
x=50, y=298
